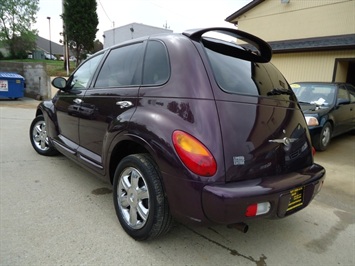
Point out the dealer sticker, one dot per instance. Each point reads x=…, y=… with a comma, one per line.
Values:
x=296, y=199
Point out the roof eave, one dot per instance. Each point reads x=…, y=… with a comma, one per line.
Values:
x=243, y=10
x=327, y=43
x=311, y=49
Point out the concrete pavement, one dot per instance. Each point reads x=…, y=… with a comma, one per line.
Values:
x=52, y=212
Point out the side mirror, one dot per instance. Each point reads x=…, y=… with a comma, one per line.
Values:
x=59, y=83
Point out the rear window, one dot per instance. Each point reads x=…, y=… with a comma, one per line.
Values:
x=238, y=76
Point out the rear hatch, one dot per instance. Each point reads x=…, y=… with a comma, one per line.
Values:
x=263, y=129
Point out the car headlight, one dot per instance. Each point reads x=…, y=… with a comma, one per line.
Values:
x=311, y=121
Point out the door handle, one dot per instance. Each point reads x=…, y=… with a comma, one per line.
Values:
x=124, y=104
x=78, y=101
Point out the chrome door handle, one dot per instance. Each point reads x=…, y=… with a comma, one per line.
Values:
x=78, y=101
x=124, y=104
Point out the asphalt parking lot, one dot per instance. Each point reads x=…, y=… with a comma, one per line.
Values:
x=52, y=212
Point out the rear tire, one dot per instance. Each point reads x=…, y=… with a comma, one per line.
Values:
x=139, y=199
x=39, y=139
x=322, y=141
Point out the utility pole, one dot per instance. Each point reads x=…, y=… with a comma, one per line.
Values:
x=113, y=31
x=50, y=41
x=65, y=44
x=165, y=26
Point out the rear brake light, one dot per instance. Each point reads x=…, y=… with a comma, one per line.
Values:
x=194, y=154
x=257, y=209
x=313, y=151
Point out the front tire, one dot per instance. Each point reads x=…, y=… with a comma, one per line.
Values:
x=323, y=139
x=139, y=199
x=39, y=138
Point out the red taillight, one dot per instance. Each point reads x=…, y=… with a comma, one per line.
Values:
x=194, y=154
x=313, y=151
x=251, y=210
x=258, y=209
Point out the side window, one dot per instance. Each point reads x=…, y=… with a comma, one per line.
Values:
x=351, y=93
x=343, y=94
x=122, y=67
x=156, y=70
x=84, y=73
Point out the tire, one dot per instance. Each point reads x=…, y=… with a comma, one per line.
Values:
x=322, y=141
x=39, y=138
x=139, y=199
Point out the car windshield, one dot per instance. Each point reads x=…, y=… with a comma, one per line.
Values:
x=319, y=94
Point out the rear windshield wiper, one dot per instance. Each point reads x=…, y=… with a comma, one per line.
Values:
x=279, y=91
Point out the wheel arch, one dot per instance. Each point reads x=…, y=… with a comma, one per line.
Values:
x=127, y=146
x=331, y=122
x=39, y=112
x=327, y=119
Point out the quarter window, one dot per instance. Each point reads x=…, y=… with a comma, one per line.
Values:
x=156, y=64
x=122, y=67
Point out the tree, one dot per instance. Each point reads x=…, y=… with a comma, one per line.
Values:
x=80, y=20
x=16, y=18
x=98, y=46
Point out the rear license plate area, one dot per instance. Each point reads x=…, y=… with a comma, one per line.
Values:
x=296, y=199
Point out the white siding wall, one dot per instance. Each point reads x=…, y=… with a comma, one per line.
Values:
x=124, y=33
x=273, y=21
x=310, y=66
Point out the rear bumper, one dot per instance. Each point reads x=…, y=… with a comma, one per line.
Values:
x=227, y=203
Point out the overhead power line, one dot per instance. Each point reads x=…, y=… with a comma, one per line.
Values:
x=105, y=12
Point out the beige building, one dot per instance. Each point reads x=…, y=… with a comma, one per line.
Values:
x=311, y=40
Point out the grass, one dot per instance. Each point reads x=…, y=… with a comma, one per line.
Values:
x=55, y=68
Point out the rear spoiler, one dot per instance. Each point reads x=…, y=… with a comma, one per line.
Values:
x=263, y=52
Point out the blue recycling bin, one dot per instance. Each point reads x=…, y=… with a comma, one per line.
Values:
x=12, y=85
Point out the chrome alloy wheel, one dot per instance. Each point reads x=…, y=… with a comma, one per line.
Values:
x=39, y=136
x=133, y=198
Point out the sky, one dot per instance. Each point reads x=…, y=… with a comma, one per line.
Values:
x=177, y=15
